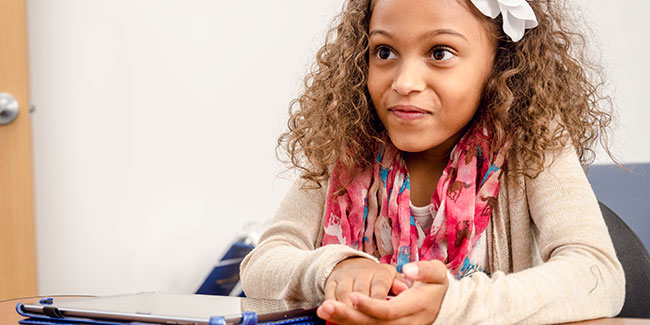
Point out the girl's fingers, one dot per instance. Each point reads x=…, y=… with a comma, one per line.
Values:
x=343, y=290
x=326, y=309
x=426, y=271
x=339, y=313
x=400, y=306
x=380, y=284
x=413, y=302
x=421, y=302
x=382, y=281
x=361, y=286
x=330, y=290
x=399, y=286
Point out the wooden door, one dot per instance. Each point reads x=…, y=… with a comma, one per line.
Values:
x=17, y=247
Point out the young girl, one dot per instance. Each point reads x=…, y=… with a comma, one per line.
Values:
x=440, y=145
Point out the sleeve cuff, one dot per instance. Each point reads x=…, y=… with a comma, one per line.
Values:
x=449, y=302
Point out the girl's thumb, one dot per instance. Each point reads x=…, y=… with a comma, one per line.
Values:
x=426, y=271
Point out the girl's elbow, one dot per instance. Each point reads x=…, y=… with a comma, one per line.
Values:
x=618, y=290
x=247, y=277
x=613, y=295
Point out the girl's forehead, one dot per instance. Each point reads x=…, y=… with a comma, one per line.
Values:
x=452, y=9
x=412, y=15
x=465, y=3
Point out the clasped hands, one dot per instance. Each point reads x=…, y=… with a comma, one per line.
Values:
x=357, y=288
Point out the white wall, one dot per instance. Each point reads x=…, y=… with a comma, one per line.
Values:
x=621, y=29
x=156, y=123
x=155, y=130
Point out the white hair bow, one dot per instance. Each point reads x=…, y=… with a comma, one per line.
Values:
x=517, y=15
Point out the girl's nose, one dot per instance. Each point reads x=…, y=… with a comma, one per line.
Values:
x=409, y=78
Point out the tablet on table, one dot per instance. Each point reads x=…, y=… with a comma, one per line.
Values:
x=174, y=309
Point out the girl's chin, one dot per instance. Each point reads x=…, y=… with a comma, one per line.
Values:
x=415, y=142
x=413, y=145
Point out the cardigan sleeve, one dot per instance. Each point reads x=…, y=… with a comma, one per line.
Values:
x=288, y=262
x=580, y=277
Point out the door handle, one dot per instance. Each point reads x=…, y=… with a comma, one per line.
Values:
x=8, y=108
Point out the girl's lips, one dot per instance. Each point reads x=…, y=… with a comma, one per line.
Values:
x=408, y=112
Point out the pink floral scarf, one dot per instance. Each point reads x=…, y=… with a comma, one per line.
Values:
x=373, y=214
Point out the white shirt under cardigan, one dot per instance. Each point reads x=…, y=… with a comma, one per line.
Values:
x=550, y=256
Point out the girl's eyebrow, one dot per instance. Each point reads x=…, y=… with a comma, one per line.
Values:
x=441, y=31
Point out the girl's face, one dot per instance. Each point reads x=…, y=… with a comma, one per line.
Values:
x=429, y=61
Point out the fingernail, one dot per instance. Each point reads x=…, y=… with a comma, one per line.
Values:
x=411, y=270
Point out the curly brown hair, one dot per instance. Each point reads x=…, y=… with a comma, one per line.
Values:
x=542, y=93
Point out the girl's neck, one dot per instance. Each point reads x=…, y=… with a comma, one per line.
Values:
x=436, y=156
x=426, y=167
x=424, y=173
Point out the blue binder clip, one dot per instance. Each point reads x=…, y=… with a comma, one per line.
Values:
x=217, y=320
x=46, y=301
x=249, y=318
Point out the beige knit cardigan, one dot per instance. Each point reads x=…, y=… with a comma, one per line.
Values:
x=550, y=256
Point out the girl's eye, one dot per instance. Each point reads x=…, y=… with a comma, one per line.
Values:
x=385, y=53
x=441, y=54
